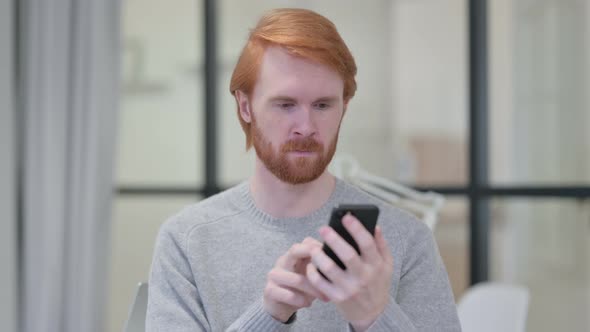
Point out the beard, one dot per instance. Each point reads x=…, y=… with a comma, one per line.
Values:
x=299, y=170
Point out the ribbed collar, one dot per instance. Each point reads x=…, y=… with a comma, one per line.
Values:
x=313, y=219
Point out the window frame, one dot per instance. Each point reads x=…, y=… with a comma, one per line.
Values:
x=478, y=191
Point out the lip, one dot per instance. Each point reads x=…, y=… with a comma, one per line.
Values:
x=302, y=153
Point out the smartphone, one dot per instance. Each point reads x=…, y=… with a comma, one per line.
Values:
x=367, y=214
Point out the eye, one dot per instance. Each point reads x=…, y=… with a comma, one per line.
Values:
x=285, y=105
x=322, y=106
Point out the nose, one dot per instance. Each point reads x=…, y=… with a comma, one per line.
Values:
x=305, y=123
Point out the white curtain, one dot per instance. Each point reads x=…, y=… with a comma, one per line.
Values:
x=69, y=97
x=8, y=171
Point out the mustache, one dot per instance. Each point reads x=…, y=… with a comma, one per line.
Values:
x=303, y=144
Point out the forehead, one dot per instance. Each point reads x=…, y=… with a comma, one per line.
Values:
x=284, y=74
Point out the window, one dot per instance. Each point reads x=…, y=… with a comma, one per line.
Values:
x=485, y=102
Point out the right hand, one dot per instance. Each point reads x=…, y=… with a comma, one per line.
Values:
x=287, y=287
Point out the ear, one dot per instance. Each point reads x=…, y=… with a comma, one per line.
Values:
x=345, y=108
x=243, y=106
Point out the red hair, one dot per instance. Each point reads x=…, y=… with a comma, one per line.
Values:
x=302, y=33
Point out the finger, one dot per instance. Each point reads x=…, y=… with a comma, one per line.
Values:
x=328, y=267
x=330, y=290
x=362, y=237
x=382, y=245
x=286, y=296
x=343, y=250
x=296, y=252
x=293, y=280
x=311, y=241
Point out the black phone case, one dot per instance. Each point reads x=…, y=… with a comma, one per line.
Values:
x=367, y=214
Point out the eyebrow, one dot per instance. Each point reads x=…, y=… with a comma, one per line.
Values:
x=327, y=99
x=280, y=98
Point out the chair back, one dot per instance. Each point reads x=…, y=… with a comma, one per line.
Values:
x=493, y=307
x=136, y=319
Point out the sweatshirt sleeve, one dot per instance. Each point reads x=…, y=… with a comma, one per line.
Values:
x=257, y=319
x=424, y=299
x=174, y=303
x=173, y=298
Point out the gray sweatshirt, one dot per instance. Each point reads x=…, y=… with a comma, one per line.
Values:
x=211, y=259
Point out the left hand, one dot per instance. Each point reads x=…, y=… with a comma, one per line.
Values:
x=361, y=292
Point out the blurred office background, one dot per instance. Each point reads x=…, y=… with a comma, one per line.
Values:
x=519, y=174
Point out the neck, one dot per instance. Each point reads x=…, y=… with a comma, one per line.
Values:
x=285, y=200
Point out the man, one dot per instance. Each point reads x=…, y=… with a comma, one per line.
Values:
x=246, y=259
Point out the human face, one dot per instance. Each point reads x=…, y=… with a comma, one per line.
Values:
x=295, y=113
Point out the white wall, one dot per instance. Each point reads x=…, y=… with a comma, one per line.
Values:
x=7, y=174
x=428, y=95
x=160, y=136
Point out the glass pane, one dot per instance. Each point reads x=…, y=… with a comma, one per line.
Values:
x=539, y=70
x=160, y=133
x=544, y=244
x=136, y=221
x=408, y=118
x=452, y=236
